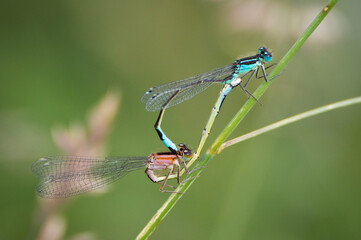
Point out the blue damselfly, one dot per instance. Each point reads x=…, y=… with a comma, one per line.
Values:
x=171, y=94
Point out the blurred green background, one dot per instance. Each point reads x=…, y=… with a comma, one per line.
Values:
x=58, y=59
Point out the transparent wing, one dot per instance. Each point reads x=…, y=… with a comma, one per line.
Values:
x=64, y=176
x=156, y=97
x=156, y=103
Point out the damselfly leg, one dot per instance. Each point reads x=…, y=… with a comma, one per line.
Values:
x=170, y=162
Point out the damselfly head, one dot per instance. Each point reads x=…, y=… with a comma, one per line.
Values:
x=265, y=54
x=184, y=151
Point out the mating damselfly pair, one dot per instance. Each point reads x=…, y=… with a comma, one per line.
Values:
x=63, y=176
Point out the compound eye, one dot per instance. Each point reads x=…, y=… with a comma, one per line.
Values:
x=187, y=152
x=182, y=145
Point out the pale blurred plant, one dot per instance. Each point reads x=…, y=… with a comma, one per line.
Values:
x=89, y=140
x=286, y=19
x=80, y=139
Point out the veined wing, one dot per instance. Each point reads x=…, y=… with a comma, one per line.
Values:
x=186, y=88
x=64, y=176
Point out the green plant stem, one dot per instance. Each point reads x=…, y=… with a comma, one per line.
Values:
x=203, y=161
x=298, y=117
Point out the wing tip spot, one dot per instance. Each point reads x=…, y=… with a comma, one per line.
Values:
x=149, y=91
x=154, y=96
